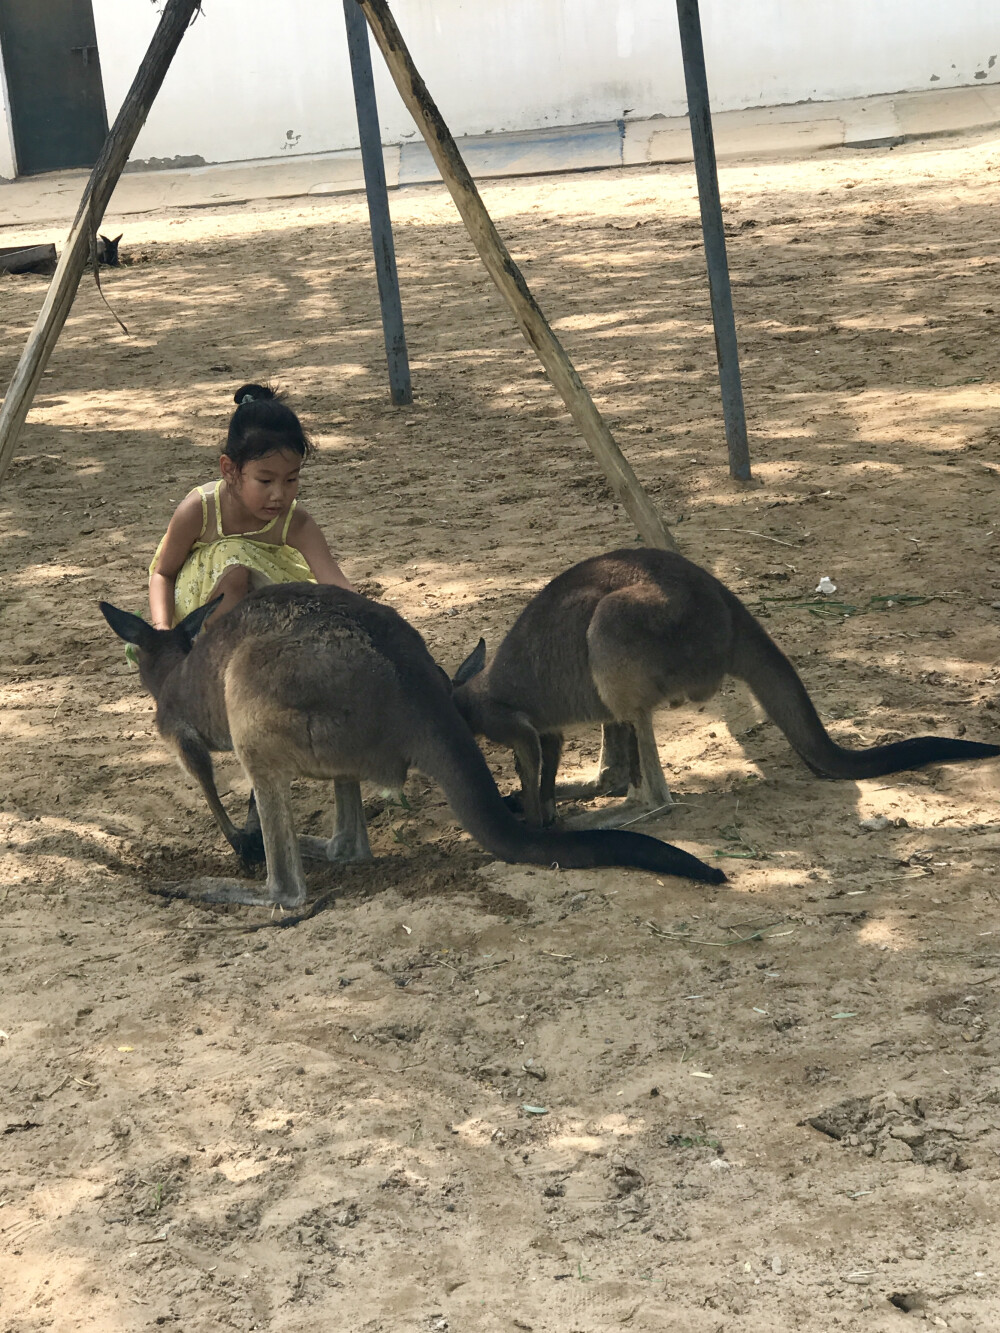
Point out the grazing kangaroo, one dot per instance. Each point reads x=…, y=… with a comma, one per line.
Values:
x=308, y=681
x=617, y=635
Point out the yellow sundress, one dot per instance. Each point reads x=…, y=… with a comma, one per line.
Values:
x=266, y=554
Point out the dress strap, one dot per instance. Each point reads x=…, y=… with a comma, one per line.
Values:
x=288, y=522
x=218, y=510
x=204, y=512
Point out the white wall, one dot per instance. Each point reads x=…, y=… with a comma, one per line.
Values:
x=241, y=79
x=245, y=80
x=773, y=52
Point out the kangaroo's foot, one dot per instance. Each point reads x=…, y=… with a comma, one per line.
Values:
x=514, y=802
x=617, y=771
x=618, y=768
x=612, y=785
x=211, y=890
x=350, y=836
x=341, y=848
x=349, y=845
x=645, y=801
x=286, y=884
x=651, y=790
x=648, y=793
x=605, y=784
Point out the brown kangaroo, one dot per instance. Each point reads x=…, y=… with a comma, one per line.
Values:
x=618, y=635
x=307, y=681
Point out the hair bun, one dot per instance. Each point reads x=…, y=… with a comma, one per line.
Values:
x=251, y=393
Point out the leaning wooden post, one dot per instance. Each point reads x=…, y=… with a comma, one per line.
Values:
x=509, y=278
x=174, y=21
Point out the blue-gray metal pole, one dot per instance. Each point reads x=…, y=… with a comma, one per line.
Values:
x=378, y=204
x=726, y=349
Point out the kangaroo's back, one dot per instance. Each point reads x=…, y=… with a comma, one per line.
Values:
x=314, y=680
x=632, y=622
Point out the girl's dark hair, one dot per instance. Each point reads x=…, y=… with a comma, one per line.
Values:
x=261, y=424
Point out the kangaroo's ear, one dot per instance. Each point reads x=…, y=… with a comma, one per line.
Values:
x=192, y=623
x=472, y=665
x=133, y=629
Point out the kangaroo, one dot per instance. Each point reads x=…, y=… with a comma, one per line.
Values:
x=617, y=635
x=107, y=250
x=314, y=681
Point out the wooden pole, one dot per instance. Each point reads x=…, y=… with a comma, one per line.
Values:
x=391, y=306
x=174, y=21
x=509, y=279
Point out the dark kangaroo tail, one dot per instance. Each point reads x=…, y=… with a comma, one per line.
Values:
x=759, y=662
x=451, y=756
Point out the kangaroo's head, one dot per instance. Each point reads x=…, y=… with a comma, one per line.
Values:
x=469, y=688
x=484, y=714
x=107, y=250
x=160, y=650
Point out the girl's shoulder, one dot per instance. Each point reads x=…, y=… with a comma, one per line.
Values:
x=190, y=513
x=198, y=494
x=299, y=521
x=194, y=501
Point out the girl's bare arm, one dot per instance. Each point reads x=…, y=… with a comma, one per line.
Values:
x=306, y=536
x=183, y=531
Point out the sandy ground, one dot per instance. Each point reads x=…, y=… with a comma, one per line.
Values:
x=771, y=1105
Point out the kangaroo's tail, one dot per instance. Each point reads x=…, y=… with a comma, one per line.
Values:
x=450, y=756
x=759, y=662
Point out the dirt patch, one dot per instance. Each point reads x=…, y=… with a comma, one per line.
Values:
x=898, y=1129
x=471, y=1096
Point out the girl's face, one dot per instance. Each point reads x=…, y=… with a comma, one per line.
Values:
x=266, y=486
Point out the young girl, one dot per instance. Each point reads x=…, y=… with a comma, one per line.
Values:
x=244, y=530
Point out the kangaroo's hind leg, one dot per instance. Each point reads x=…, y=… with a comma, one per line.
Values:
x=648, y=791
x=617, y=770
x=286, y=883
x=653, y=794
x=635, y=664
x=551, y=744
x=350, y=835
x=618, y=767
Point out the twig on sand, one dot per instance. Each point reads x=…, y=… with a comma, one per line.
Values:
x=766, y=536
x=760, y=933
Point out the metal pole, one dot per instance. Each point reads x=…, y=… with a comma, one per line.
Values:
x=378, y=204
x=726, y=348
